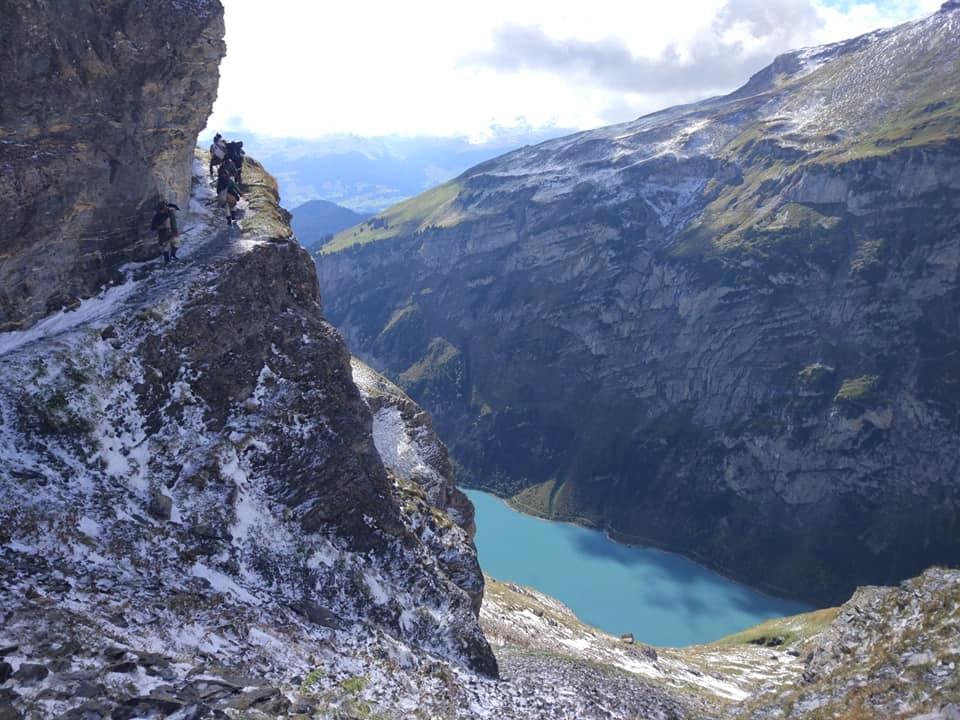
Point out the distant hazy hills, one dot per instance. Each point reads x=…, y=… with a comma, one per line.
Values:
x=315, y=221
x=368, y=174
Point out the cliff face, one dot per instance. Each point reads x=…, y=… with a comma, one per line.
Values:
x=195, y=516
x=102, y=103
x=727, y=328
x=192, y=496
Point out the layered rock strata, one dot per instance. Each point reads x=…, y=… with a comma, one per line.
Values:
x=727, y=328
x=102, y=103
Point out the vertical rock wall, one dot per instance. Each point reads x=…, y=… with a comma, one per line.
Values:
x=100, y=106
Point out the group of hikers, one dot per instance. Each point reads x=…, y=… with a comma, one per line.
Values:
x=227, y=159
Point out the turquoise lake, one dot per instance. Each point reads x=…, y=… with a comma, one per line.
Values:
x=663, y=599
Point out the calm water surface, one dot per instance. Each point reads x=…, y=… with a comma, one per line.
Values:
x=661, y=598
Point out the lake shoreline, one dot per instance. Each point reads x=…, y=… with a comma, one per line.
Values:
x=639, y=542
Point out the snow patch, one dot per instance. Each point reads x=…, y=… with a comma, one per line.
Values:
x=90, y=311
x=222, y=583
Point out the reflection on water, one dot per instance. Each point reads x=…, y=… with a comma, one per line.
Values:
x=663, y=599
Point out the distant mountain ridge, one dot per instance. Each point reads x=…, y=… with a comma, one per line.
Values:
x=316, y=221
x=728, y=328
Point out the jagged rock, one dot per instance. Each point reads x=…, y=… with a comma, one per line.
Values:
x=160, y=507
x=862, y=661
x=148, y=705
x=196, y=712
x=210, y=691
x=151, y=660
x=128, y=666
x=265, y=699
x=6, y=670
x=90, y=710
x=30, y=673
x=408, y=445
x=89, y=689
x=8, y=712
x=316, y=614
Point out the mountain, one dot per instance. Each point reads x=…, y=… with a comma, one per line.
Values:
x=209, y=509
x=315, y=222
x=729, y=329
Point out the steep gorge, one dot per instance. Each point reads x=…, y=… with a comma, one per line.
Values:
x=728, y=328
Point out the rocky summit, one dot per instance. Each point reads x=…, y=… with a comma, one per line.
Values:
x=728, y=329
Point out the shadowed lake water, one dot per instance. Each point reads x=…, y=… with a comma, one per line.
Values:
x=663, y=599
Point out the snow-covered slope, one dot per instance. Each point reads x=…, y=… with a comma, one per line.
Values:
x=187, y=469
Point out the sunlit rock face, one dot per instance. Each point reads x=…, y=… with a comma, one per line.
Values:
x=728, y=328
x=102, y=103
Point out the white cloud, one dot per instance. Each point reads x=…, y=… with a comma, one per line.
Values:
x=431, y=67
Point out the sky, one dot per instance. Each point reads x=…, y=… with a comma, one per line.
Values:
x=306, y=69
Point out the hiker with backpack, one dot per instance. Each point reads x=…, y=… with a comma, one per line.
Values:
x=235, y=154
x=218, y=151
x=233, y=197
x=228, y=191
x=168, y=235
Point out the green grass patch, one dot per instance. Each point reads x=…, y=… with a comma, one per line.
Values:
x=434, y=208
x=858, y=389
x=815, y=374
x=401, y=315
x=438, y=358
x=781, y=631
x=311, y=680
x=354, y=685
x=926, y=123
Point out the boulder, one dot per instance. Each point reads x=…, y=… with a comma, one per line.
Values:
x=29, y=673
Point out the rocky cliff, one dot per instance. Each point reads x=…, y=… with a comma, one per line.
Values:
x=728, y=328
x=194, y=503
x=102, y=103
x=208, y=509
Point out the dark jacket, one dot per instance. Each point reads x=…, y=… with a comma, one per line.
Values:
x=235, y=153
x=227, y=169
x=165, y=223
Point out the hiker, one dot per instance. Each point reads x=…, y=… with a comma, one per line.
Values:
x=218, y=151
x=228, y=192
x=235, y=153
x=168, y=236
x=227, y=169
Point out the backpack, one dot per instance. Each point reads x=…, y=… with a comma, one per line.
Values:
x=217, y=151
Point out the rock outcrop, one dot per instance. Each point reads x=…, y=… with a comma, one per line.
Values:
x=101, y=108
x=892, y=652
x=193, y=497
x=728, y=328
